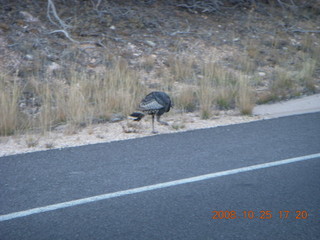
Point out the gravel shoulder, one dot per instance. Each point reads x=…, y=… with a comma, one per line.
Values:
x=65, y=137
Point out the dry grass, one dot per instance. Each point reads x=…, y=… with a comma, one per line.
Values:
x=9, y=96
x=283, y=83
x=225, y=97
x=148, y=62
x=49, y=145
x=182, y=67
x=205, y=62
x=310, y=64
x=245, y=100
x=208, y=85
x=217, y=88
x=306, y=74
x=186, y=99
x=205, y=95
x=85, y=98
x=213, y=86
x=32, y=141
x=197, y=81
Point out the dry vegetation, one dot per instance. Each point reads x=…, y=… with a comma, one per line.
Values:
x=58, y=68
x=85, y=99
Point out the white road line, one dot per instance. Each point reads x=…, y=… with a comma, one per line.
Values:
x=153, y=187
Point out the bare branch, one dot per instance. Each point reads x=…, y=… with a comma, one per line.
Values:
x=52, y=9
x=98, y=43
x=66, y=34
x=203, y=6
x=96, y=5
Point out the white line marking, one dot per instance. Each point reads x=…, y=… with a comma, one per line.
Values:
x=153, y=187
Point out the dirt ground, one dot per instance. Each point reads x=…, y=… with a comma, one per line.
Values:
x=256, y=40
x=108, y=132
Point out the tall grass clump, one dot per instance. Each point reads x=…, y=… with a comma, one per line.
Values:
x=186, y=99
x=223, y=84
x=306, y=73
x=182, y=67
x=283, y=83
x=92, y=96
x=205, y=95
x=245, y=99
x=9, y=108
x=224, y=90
x=214, y=86
x=310, y=63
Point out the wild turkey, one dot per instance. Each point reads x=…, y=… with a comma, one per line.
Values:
x=155, y=103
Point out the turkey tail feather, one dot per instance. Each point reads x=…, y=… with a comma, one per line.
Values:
x=137, y=115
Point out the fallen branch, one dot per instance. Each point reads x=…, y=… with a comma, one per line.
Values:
x=66, y=34
x=52, y=8
x=99, y=43
x=96, y=5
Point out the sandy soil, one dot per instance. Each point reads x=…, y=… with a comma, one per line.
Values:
x=65, y=136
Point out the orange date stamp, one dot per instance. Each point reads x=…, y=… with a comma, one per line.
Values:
x=263, y=214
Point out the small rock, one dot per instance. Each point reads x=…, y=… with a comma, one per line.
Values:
x=28, y=17
x=53, y=66
x=150, y=43
x=29, y=57
x=261, y=74
x=131, y=46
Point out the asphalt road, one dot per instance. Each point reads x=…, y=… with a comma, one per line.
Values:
x=252, y=204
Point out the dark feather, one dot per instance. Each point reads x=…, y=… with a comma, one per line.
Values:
x=155, y=104
x=137, y=115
